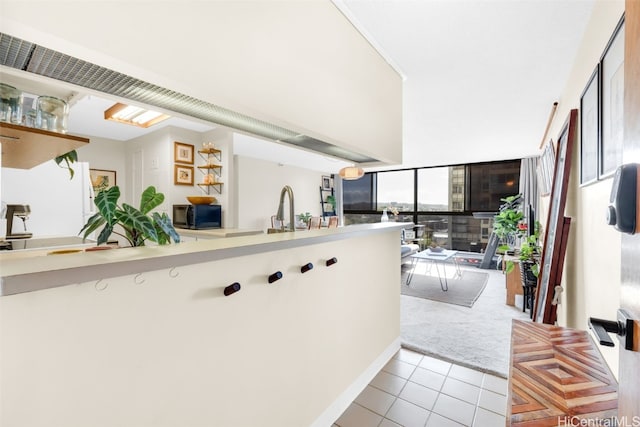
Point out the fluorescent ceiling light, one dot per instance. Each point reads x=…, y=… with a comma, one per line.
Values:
x=135, y=116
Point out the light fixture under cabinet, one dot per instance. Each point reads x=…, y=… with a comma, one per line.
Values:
x=135, y=116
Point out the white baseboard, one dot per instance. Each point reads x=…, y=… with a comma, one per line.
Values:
x=331, y=414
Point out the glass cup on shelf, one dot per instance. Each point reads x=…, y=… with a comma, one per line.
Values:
x=10, y=104
x=51, y=114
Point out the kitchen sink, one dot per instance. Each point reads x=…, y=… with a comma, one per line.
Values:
x=276, y=230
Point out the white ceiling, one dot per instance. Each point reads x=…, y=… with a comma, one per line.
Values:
x=480, y=78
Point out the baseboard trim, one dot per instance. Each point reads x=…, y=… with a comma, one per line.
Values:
x=333, y=411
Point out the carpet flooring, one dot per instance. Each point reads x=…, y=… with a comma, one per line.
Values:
x=477, y=337
x=463, y=290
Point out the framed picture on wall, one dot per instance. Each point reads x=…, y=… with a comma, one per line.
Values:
x=183, y=153
x=612, y=90
x=326, y=182
x=102, y=179
x=183, y=175
x=590, y=129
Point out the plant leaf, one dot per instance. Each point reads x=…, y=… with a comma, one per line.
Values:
x=103, y=237
x=68, y=158
x=142, y=226
x=535, y=269
x=92, y=224
x=509, y=266
x=107, y=203
x=150, y=199
x=164, y=223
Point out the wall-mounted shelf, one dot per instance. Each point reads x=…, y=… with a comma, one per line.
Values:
x=25, y=147
x=208, y=154
x=216, y=186
x=217, y=169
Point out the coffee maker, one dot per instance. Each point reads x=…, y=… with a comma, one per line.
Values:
x=22, y=212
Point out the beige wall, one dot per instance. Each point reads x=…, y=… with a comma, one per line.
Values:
x=166, y=348
x=592, y=268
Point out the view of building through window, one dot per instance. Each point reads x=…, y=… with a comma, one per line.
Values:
x=441, y=200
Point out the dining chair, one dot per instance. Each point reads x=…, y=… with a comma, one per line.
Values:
x=314, y=222
x=333, y=222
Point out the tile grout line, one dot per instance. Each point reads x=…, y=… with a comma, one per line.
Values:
x=397, y=397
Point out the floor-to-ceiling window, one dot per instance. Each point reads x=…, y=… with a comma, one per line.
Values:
x=442, y=199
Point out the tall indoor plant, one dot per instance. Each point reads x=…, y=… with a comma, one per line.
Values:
x=136, y=225
x=506, y=222
x=508, y=225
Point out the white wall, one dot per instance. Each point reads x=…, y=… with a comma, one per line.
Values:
x=258, y=185
x=592, y=267
x=106, y=154
x=150, y=162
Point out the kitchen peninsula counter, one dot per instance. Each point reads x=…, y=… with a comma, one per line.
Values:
x=214, y=233
x=170, y=332
x=37, y=272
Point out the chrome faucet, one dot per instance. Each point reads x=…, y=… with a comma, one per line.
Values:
x=280, y=215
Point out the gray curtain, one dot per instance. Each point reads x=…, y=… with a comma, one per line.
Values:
x=529, y=184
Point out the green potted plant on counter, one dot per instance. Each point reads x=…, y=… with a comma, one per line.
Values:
x=136, y=224
x=304, y=218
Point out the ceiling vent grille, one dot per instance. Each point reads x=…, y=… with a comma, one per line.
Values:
x=26, y=56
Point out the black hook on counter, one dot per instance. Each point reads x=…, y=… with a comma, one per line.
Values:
x=308, y=266
x=231, y=289
x=275, y=276
x=331, y=261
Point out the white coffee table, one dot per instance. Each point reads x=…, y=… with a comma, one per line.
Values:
x=436, y=258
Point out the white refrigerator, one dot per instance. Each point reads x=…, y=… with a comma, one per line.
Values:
x=59, y=206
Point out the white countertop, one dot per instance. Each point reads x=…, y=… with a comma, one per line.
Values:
x=37, y=272
x=218, y=232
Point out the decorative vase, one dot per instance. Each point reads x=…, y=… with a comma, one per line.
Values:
x=384, y=217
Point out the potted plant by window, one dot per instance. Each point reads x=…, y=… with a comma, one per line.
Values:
x=506, y=222
x=135, y=225
x=530, y=251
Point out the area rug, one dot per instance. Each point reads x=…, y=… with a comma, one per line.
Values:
x=463, y=290
x=478, y=337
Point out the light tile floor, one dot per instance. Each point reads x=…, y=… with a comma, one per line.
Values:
x=414, y=390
